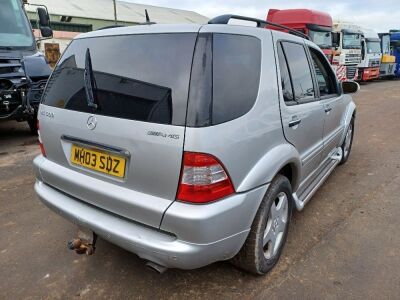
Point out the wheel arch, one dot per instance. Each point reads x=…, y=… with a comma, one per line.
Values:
x=348, y=115
x=281, y=159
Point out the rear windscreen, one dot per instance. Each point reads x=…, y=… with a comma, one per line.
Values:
x=137, y=77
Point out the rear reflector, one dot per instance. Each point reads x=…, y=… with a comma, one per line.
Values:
x=203, y=179
x=40, y=140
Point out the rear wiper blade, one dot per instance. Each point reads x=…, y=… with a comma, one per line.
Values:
x=5, y=48
x=90, y=82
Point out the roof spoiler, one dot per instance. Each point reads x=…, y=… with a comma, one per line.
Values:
x=224, y=19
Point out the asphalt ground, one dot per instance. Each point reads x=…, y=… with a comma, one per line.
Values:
x=344, y=244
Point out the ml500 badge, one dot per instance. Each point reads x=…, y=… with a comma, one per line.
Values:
x=46, y=114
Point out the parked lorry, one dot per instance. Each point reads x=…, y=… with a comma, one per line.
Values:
x=395, y=46
x=346, y=39
x=371, y=55
x=23, y=70
x=315, y=24
x=388, y=61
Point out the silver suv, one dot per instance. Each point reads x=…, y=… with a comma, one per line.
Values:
x=190, y=144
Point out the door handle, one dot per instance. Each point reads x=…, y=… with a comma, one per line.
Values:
x=328, y=109
x=294, y=123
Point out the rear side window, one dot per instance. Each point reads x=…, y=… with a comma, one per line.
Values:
x=300, y=72
x=286, y=83
x=137, y=77
x=225, y=78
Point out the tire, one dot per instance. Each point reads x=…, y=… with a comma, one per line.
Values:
x=255, y=257
x=348, y=142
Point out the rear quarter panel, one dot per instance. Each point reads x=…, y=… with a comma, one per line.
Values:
x=252, y=147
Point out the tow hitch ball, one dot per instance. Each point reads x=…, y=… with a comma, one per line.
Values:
x=84, y=243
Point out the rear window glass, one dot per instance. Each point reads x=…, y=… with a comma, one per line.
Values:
x=225, y=78
x=138, y=77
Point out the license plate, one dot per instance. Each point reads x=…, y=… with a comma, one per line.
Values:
x=99, y=161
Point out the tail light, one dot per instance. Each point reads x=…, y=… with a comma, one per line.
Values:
x=203, y=179
x=40, y=140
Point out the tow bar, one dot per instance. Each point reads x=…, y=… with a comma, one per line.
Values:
x=84, y=243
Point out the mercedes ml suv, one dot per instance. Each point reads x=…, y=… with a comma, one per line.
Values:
x=190, y=144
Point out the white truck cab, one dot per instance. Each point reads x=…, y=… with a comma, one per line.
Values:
x=347, y=42
x=371, y=55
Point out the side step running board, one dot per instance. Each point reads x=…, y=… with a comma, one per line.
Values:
x=336, y=158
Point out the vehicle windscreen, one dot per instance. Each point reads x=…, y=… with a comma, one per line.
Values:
x=373, y=47
x=15, y=31
x=322, y=38
x=385, y=44
x=143, y=77
x=395, y=45
x=351, y=41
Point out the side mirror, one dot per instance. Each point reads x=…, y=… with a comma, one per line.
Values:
x=350, y=87
x=336, y=39
x=44, y=23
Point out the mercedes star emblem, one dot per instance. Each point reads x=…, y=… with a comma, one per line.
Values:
x=91, y=122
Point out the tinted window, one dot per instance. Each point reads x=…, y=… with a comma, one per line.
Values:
x=200, y=99
x=138, y=77
x=287, y=89
x=325, y=77
x=300, y=71
x=225, y=78
x=236, y=75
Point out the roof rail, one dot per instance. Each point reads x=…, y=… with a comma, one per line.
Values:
x=109, y=27
x=224, y=19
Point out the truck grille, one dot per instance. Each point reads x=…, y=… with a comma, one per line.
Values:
x=351, y=72
x=8, y=66
x=374, y=62
x=352, y=58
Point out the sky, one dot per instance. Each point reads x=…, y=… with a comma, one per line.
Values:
x=379, y=15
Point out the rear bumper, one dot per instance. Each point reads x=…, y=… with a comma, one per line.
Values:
x=191, y=236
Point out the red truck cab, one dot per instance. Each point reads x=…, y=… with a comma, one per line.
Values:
x=315, y=24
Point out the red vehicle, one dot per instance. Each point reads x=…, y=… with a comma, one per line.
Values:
x=315, y=24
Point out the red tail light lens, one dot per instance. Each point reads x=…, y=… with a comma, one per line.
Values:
x=40, y=140
x=203, y=179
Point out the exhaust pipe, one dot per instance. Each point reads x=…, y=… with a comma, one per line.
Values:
x=156, y=267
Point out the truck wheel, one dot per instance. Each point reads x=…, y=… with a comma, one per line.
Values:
x=33, y=125
x=268, y=233
x=348, y=142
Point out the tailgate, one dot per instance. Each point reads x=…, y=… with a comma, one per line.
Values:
x=125, y=155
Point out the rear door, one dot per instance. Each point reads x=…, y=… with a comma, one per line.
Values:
x=302, y=113
x=125, y=155
x=332, y=101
